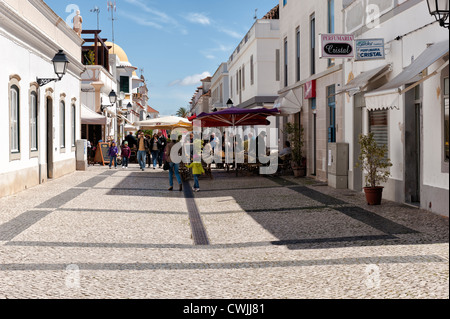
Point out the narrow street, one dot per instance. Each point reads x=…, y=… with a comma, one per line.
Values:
x=120, y=233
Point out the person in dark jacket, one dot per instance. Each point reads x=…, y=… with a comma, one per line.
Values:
x=174, y=167
x=113, y=151
x=126, y=154
x=131, y=140
x=155, y=149
x=162, y=145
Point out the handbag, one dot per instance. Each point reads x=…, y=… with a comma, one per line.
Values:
x=166, y=166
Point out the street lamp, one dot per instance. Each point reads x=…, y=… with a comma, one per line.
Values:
x=129, y=107
x=112, y=97
x=229, y=103
x=440, y=10
x=60, y=62
x=112, y=100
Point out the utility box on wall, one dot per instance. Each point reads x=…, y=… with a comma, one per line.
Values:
x=81, y=155
x=338, y=165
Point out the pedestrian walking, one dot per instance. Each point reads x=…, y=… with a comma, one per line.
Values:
x=154, y=149
x=113, y=151
x=197, y=170
x=142, y=150
x=162, y=146
x=173, y=167
x=126, y=154
x=149, y=155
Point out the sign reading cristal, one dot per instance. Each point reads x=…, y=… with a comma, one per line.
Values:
x=369, y=49
x=337, y=46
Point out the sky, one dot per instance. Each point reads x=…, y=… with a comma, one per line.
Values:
x=175, y=42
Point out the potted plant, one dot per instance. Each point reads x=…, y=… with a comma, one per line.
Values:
x=295, y=135
x=373, y=160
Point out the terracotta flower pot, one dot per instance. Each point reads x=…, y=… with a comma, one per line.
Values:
x=374, y=195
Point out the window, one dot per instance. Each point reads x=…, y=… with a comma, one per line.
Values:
x=74, y=125
x=125, y=84
x=313, y=44
x=252, y=71
x=277, y=65
x=378, y=125
x=14, y=104
x=62, y=124
x=284, y=2
x=297, y=54
x=330, y=24
x=446, y=121
x=231, y=86
x=285, y=62
x=243, y=77
x=331, y=98
x=33, y=122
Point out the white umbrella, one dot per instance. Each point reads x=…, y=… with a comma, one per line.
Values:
x=164, y=123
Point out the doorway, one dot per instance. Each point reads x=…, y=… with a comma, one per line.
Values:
x=49, y=138
x=413, y=146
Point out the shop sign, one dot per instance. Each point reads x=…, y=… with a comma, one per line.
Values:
x=369, y=49
x=337, y=46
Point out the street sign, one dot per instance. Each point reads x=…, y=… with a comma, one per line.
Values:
x=334, y=46
x=369, y=49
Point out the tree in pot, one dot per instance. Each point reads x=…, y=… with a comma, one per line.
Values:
x=295, y=135
x=373, y=160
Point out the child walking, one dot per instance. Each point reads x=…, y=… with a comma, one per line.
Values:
x=197, y=170
x=126, y=154
x=113, y=151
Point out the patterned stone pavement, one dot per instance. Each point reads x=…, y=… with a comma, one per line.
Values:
x=120, y=234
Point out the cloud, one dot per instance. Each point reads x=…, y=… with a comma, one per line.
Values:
x=198, y=18
x=141, y=21
x=190, y=80
x=153, y=17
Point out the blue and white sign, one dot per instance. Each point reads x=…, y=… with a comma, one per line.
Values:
x=369, y=49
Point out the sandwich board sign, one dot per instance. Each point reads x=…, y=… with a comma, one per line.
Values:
x=101, y=154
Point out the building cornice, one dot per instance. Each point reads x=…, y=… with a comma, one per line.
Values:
x=56, y=20
x=23, y=33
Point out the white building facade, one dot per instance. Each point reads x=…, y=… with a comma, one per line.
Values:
x=402, y=99
x=252, y=67
x=220, y=88
x=309, y=82
x=41, y=124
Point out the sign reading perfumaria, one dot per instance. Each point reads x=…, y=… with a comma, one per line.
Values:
x=337, y=46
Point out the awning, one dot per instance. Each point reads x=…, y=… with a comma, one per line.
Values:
x=289, y=103
x=360, y=82
x=90, y=117
x=387, y=96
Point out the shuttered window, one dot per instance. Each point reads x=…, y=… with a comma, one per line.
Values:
x=378, y=125
x=14, y=120
x=33, y=122
x=277, y=65
x=62, y=124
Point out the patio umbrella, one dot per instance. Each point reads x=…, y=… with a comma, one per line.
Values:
x=164, y=123
x=237, y=117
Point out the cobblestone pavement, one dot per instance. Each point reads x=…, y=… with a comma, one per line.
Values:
x=120, y=234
